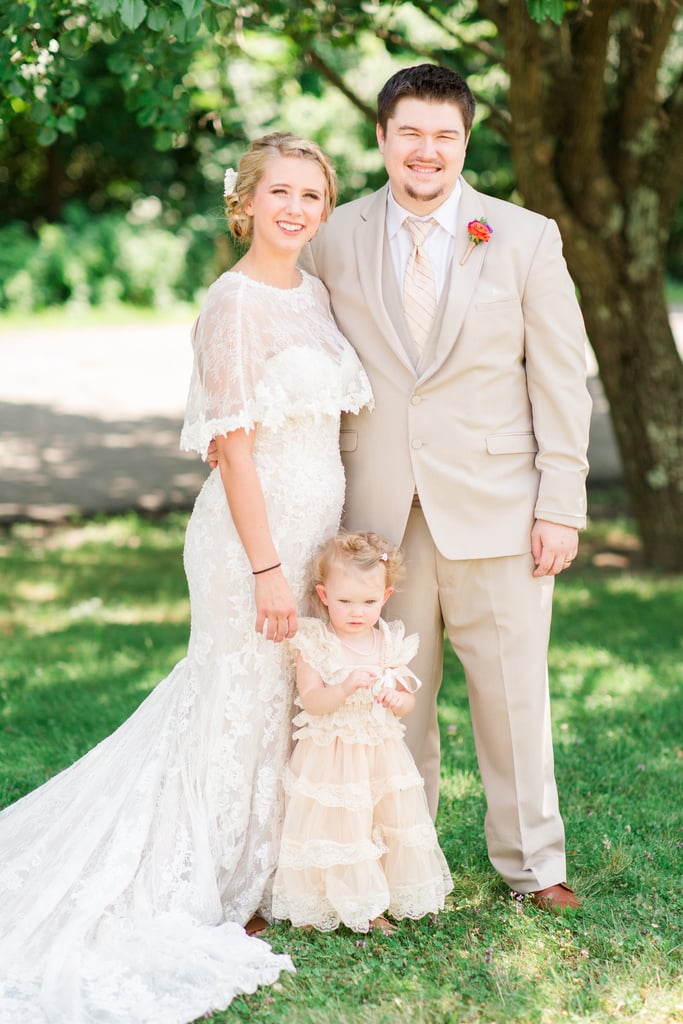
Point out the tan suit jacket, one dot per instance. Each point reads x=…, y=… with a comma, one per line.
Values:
x=493, y=430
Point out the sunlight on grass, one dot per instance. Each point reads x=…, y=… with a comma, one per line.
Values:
x=67, y=316
x=36, y=591
x=94, y=614
x=460, y=786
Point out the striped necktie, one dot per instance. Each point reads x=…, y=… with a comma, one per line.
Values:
x=419, y=290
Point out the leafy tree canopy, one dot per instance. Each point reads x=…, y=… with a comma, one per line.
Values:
x=43, y=41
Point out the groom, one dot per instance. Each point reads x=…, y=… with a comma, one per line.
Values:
x=474, y=459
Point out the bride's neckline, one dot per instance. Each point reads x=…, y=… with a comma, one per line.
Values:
x=270, y=287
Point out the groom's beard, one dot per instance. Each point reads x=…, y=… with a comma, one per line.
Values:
x=421, y=197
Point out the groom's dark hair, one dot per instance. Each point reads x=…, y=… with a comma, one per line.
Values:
x=426, y=82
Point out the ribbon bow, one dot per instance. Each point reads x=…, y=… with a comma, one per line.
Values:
x=389, y=680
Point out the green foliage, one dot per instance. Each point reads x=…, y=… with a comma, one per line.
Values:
x=111, y=165
x=94, y=614
x=92, y=261
x=238, y=88
x=42, y=45
x=551, y=9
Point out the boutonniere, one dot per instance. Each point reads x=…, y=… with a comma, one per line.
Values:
x=478, y=231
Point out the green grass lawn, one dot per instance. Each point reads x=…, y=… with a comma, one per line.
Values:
x=93, y=614
x=62, y=317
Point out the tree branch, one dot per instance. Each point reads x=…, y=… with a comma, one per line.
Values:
x=589, y=44
x=653, y=24
x=672, y=169
x=480, y=45
x=499, y=120
x=336, y=80
x=496, y=13
x=400, y=41
x=645, y=137
x=532, y=145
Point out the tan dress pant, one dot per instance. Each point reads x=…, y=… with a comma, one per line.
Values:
x=497, y=617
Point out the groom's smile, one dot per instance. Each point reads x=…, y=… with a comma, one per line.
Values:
x=424, y=150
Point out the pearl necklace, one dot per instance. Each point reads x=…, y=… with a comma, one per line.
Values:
x=350, y=647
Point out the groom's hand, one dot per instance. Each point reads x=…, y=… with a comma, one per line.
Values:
x=553, y=547
x=212, y=454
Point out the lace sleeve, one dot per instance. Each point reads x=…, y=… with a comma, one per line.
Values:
x=226, y=368
x=310, y=642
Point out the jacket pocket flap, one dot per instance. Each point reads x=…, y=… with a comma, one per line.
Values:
x=497, y=306
x=348, y=440
x=511, y=444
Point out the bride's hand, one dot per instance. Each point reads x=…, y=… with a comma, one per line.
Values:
x=275, y=607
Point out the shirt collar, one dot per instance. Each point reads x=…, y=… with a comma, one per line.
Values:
x=445, y=215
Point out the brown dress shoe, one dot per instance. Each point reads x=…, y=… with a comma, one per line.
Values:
x=555, y=898
x=256, y=925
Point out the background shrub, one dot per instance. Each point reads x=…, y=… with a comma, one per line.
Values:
x=98, y=259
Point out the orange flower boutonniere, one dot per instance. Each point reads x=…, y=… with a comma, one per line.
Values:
x=478, y=231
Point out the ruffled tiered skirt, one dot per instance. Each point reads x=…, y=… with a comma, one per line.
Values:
x=358, y=840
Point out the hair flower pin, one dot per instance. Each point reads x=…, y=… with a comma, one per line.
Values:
x=384, y=557
x=229, y=181
x=478, y=231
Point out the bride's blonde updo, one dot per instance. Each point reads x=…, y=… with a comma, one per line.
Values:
x=250, y=171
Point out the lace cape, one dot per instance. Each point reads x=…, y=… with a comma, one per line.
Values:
x=265, y=354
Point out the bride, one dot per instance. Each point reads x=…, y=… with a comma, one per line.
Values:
x=126, y=881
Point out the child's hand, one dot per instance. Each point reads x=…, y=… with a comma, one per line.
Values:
x=399, y=702
x=359, y=679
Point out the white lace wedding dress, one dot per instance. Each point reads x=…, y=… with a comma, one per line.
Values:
x=125, y=880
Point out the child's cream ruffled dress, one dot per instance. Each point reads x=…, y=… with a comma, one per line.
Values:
x=358, y=840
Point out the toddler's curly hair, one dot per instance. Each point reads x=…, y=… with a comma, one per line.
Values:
x=361, y=552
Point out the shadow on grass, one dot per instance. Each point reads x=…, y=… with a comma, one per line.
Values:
x=616, y=671
x=617, y=694
x=114, y=573
x=54, y=710
x=55, y=463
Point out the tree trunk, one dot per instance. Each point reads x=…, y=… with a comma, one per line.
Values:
x=598, y=159
x=642, y=374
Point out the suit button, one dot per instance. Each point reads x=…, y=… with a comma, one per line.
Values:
x=415, y=399
x=416, y=443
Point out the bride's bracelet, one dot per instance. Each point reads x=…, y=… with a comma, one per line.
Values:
x=257, y=572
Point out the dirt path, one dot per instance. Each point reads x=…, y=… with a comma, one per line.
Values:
x=90, y=419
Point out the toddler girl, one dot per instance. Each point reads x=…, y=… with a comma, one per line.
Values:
x=357, y=839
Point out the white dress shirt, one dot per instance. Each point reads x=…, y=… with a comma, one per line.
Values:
x=440, y=241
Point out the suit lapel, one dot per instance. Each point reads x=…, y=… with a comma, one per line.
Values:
x=369, y=245
x=462, y=279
